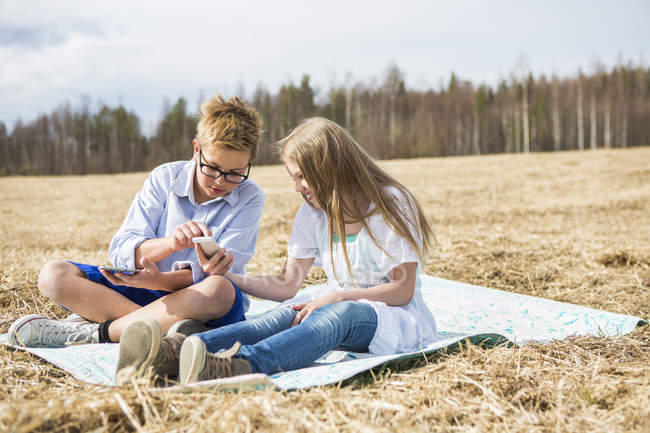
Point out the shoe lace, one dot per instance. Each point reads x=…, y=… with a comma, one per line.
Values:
x=216, y=368
x=219, y=365
x=53, y=333
x=83, y=336
x=169, y=349
x=48, y=334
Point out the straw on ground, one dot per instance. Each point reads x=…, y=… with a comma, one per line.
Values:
x=572, y=227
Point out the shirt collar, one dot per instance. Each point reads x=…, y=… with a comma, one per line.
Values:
x=183, y=186
x=231, y=198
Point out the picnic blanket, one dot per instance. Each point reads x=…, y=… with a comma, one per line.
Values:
x=462, y=311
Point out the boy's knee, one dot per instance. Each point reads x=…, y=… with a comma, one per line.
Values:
x=52, y=278
x=218, y=289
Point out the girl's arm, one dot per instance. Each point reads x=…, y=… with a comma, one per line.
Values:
x=398, y=292
x=276, y=288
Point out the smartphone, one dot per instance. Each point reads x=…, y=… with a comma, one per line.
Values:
x=208, y=245
x=116, y=269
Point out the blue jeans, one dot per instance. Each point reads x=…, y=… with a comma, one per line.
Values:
x=271, y=345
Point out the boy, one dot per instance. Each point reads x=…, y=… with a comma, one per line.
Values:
x=210, y=195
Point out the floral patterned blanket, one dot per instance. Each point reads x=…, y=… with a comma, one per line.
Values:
x=462, y=311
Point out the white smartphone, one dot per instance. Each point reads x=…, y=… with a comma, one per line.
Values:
x=208, y=245
x=117, y=269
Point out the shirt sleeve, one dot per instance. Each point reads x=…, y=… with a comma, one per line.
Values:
x=303, y=243
x=141, y=221
x=197, y=271
x=398, y=248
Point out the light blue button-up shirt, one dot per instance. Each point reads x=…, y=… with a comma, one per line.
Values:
x=166, y=201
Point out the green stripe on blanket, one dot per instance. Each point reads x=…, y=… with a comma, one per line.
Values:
x=461, y=311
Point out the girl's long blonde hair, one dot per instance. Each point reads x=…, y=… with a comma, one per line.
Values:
x=341, y=174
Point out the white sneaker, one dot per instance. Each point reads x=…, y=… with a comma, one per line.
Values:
x=36, y=330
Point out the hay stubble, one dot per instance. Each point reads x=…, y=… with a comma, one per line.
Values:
x=566, y=226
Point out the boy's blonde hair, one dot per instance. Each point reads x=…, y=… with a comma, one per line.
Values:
x=340, y=173
x=231, y=124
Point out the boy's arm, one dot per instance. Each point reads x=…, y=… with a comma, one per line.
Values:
x=153, y=249
x=149, y=277
x=141, y=220
x=276, y=288
x=176, y=280
x=237, y=239
x=158, y=249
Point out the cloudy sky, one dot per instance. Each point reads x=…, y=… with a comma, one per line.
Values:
x=138, y=53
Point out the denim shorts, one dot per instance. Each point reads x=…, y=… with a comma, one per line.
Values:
x=143, y=297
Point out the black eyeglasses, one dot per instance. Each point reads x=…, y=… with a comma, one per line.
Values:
x=215, y=173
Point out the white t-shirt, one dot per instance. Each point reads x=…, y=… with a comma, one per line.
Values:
x=399, y=329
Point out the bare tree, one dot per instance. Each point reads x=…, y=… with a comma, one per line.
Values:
x=556, y=113
x=581, y=132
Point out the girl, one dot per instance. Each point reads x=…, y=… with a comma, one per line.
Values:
x=369, y=234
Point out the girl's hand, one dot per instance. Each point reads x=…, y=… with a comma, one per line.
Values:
x=149, y=277
x=218, y=264
x=182, y=236
x=305, y=309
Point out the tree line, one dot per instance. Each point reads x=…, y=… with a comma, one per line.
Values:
x=602, y=109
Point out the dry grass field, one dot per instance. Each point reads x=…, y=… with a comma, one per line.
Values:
x=572, y=227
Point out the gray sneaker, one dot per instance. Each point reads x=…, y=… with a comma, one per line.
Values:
x=36, y=330
x=187, y=327
x=196, y=363
x=144, y=350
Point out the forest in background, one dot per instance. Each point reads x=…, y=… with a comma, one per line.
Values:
x=601, y=109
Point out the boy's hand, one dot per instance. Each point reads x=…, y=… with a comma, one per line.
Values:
x=182, y=237
x=217, y=264
x=147, y=278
